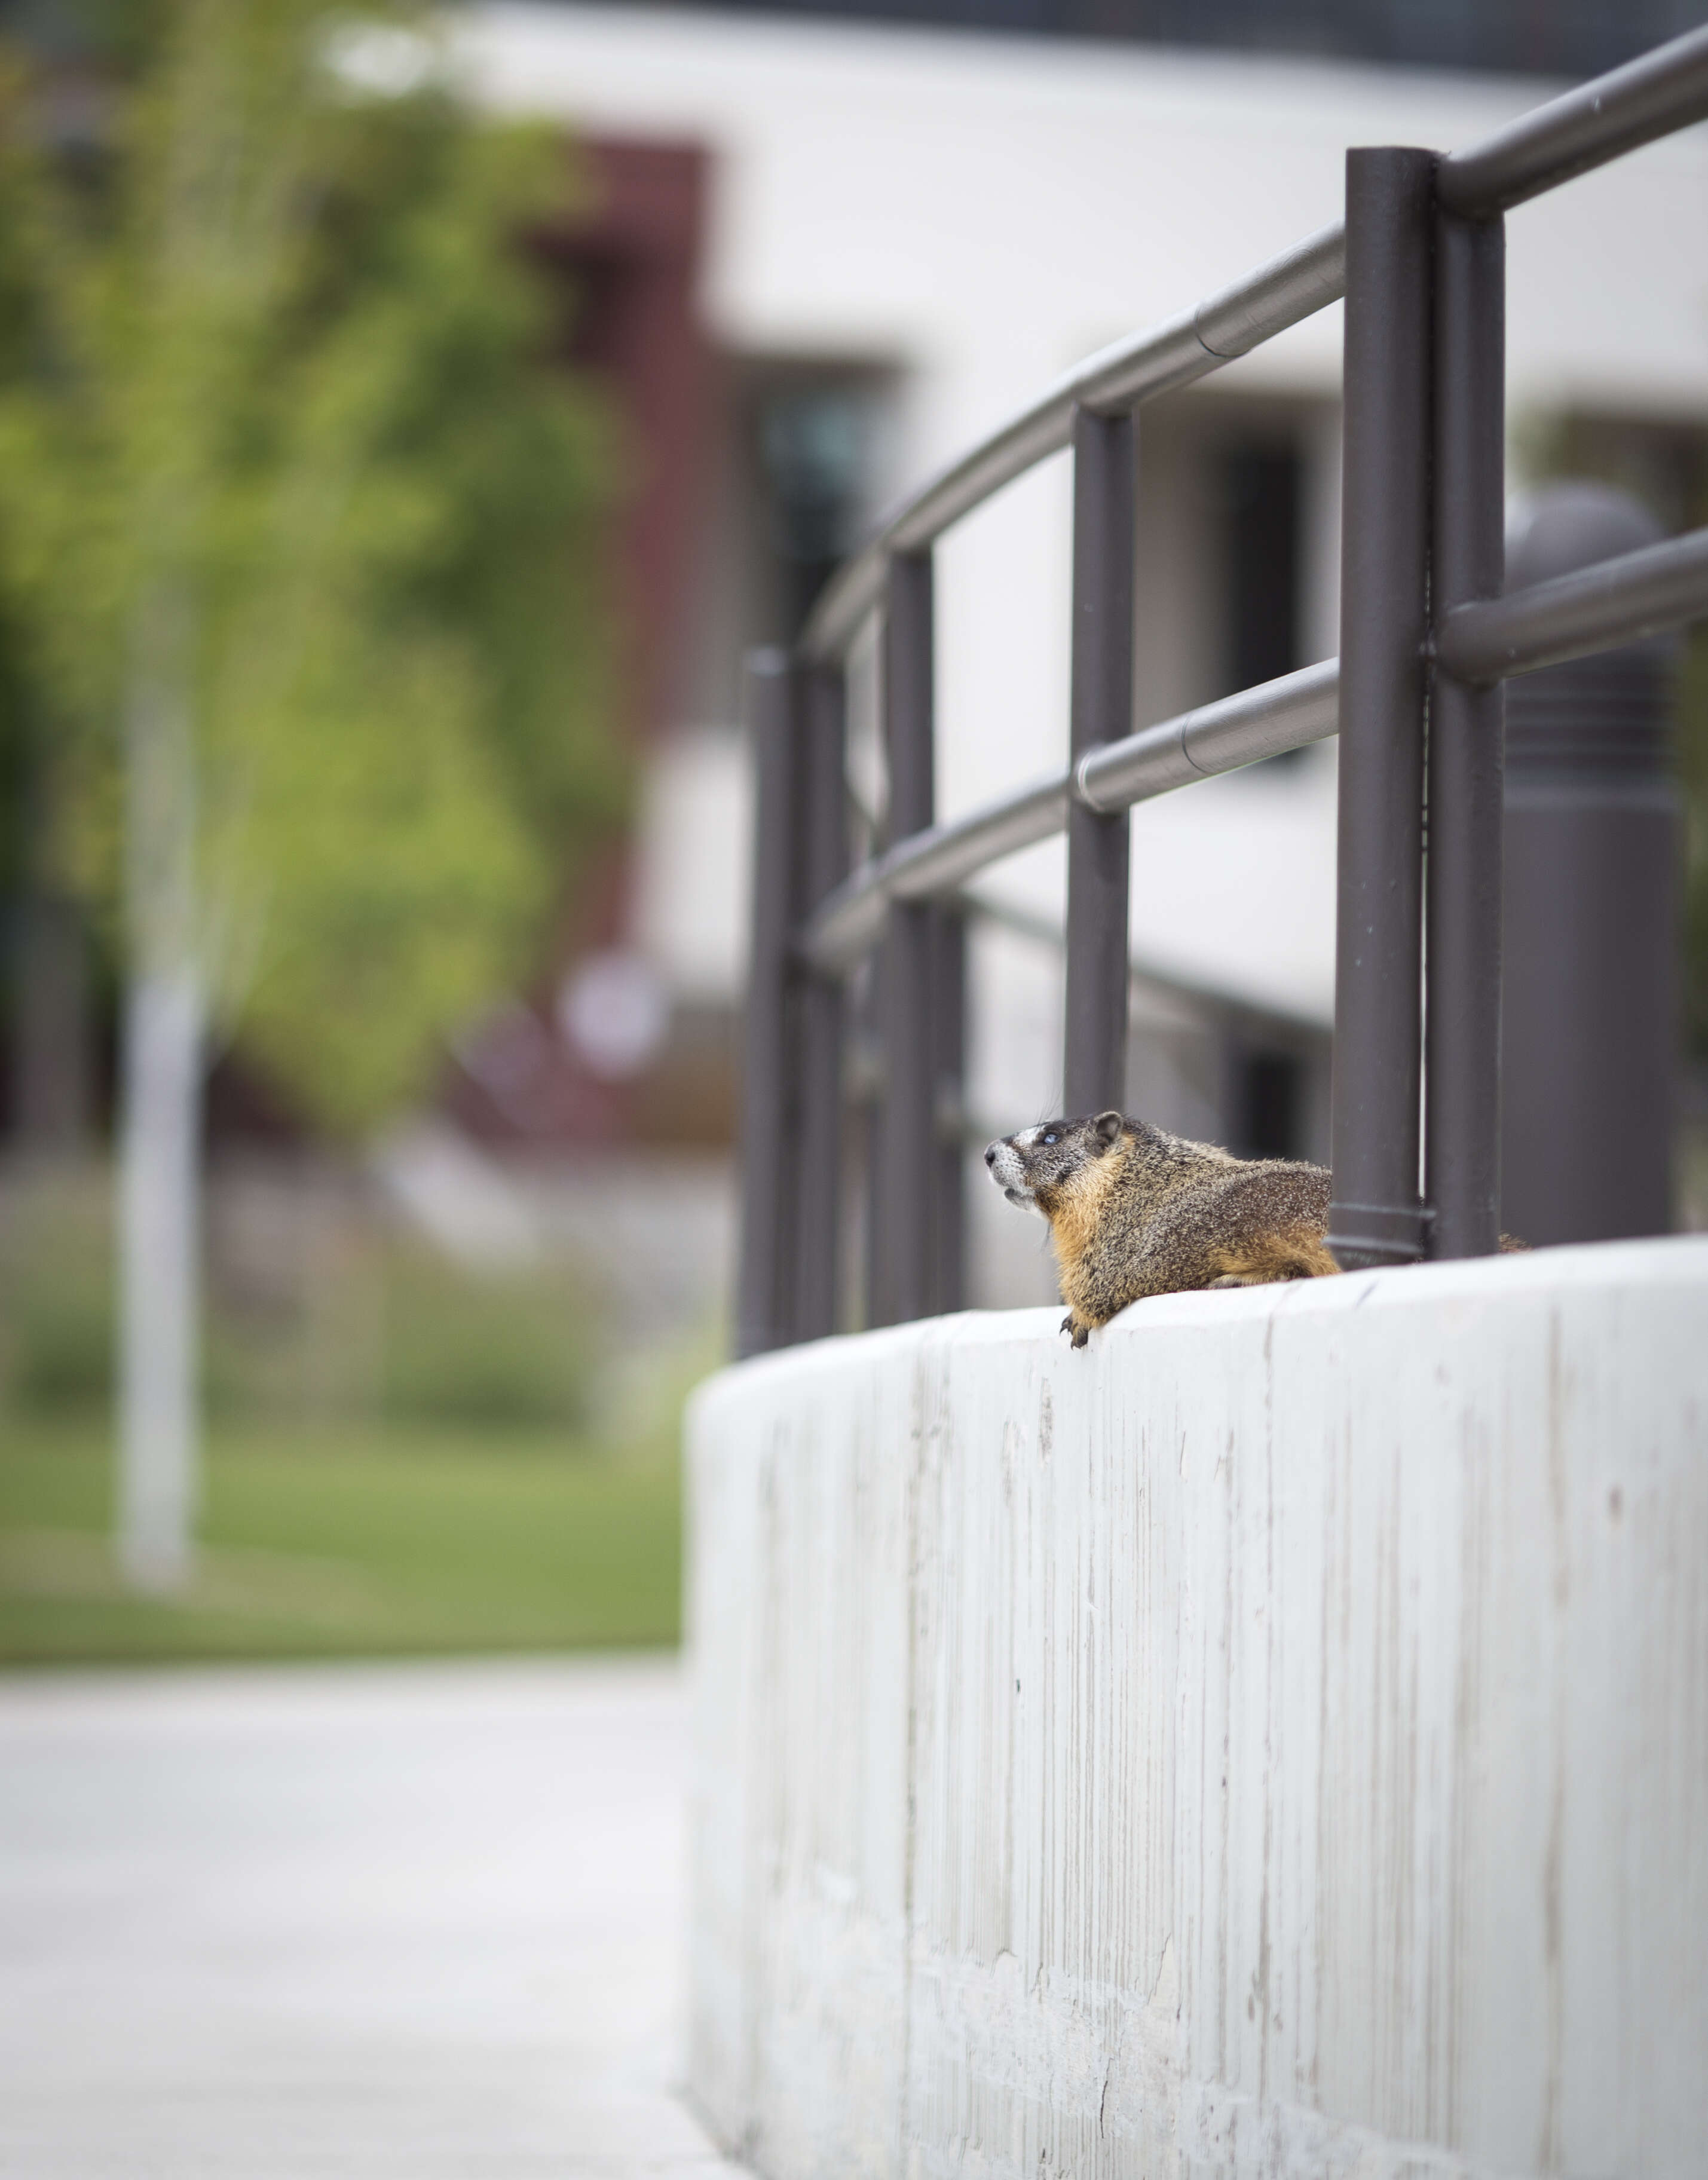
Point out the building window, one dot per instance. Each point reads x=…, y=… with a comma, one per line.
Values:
x=1268, y=1088
x=1262, y=500
x=813, y=440
x=797, y=469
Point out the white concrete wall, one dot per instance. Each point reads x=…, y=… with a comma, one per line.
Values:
x=1274, y=1741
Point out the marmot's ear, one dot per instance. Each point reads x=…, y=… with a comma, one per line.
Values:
x=1107, y=1127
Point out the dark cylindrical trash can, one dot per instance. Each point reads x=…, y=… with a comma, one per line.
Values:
x=1593, y=843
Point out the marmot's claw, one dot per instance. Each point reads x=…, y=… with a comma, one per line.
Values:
x=1083, y=1335
x=1066, y=1324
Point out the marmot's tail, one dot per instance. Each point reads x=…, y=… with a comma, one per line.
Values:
x=1271, y=1257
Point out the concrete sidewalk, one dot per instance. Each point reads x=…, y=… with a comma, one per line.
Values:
x=393, y=1923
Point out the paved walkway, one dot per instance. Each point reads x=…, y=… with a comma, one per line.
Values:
x=393, y=1923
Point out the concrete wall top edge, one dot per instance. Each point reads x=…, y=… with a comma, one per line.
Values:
x=1669, y=1261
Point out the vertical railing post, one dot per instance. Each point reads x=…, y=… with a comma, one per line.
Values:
x=1376, y=1217
x=866, y=1000
x=949, y=1031
x=1095, y=1059
x=768, y=1112
x=901, y=1244
x=824, y=824
x=1462, y=1139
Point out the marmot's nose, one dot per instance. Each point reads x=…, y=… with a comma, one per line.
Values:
x=990, y=1154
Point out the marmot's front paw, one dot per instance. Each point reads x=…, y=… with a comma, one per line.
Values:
x=1079, y=1333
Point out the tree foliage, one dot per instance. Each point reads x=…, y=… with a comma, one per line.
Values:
x=287, y=443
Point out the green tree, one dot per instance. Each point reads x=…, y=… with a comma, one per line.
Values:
x=298, y=527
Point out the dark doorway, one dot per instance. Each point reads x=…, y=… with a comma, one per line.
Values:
x=1262, y=500
x=1269, y=1105
x=812, y=439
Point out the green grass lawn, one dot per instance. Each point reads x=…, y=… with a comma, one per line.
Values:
x=358, y=1541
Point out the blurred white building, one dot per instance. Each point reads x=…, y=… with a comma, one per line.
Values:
x=911, y=232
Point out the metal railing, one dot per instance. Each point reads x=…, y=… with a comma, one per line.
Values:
x=1416, y=698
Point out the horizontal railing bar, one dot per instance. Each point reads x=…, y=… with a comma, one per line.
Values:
x=1291, y=286
x=1618, y=601
x=1648, y=98
x=1266, y=721
x=1621, y=601
x=850, y=921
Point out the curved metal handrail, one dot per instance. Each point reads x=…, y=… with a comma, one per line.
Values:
x=1649, y=98
x=1618, y=601
x=1422, y=627
x=1230, y=323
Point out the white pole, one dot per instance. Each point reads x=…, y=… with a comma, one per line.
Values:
x=159, y=1252
x=159, y=1180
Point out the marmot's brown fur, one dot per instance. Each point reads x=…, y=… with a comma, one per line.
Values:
x=1133, y=1211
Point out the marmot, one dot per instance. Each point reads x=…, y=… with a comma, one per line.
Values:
x=1133, y=1211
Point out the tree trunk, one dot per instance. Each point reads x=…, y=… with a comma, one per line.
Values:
x=161, y=1082
x=159, y=1282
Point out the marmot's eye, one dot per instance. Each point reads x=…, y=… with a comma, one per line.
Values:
x=1050, y=1135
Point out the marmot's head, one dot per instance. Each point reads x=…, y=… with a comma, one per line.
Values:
x=1031, y=1167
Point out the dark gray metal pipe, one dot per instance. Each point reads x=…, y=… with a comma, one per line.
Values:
x=763, y=1312
x=1650, y=96
x=902, y=1245
x=1593, y=853
x=824, y=843
x=949, y=1065
x=1619, y=600
x=926, y=866
x=1286, y=713
x=1376, y=1217
x=1095, y=1061
x=1462, y=1165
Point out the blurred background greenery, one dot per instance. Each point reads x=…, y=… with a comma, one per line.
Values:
x=403, y=1454
x=305, y=616
x=315, y=704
